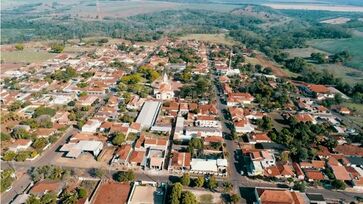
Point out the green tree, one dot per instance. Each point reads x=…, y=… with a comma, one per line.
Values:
x=212, y=183
x=185, y=179
x=49, y=198
x=15, y=105
x=20, y=133
x=188, y=198
x=82, y=192
x=338, y=184
x=176, y=193
x=22, y=156
x=42, y=110
x=4, y=136
x=9, y=156
x=228, y=186
x=19, y=46
x=124, y=176
x=299, y=186
x=40, y=143
x=199, y=181
x=32, y=199
x=234, y=198
x=56, y=48
x=118, y=139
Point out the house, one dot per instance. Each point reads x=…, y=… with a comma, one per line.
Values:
x=61, y=117
x=180, y=161
x=236, y=99
x=201, y=132
x=341, y=173
x=254, y=138
x=20, y=144
x=259, y=160
x=112, y=193
x=137, y=158
x=305, y=117
x=321, y=92
x=344, y=111
x=74, y=150
x=45, y=186
x=243, y=125
x=349, y=150
x=209, y=166
x=207, y=121
x=299, y=172
x=279, y=171
x=45, y=132
x=155, y=159
x=358, y=183
x=313, y=175
x=123, y=154
x=280, y=196
x=91, y=126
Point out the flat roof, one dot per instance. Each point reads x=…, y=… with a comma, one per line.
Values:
x=148, y=113
x=146, y=195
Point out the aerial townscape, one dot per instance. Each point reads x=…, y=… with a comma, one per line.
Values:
x=181, y=102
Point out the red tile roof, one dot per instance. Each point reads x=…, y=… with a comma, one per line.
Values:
x=112, y=193
x=314, y=174
x=341, y=173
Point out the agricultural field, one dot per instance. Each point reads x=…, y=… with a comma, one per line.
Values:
x=348, y=74
x=213, y=38
x=353, y=45
x=28, y=55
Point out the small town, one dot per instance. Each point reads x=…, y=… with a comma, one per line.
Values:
x=175, y=121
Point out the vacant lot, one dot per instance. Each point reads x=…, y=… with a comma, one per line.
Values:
x=28, y=55
x=353, y=45
x=214, y=38
x=302, y=52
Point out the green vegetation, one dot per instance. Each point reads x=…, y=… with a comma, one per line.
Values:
x=185, y=179
x=118, y=139
x=353, y=45
x=7, y=179
x=49, y=172
x=56, y=48
x=47, y=198
x=124, y=176
x=64, y=75
x=19, y=46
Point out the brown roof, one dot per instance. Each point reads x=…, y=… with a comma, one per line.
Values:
x=318, y=164
x=124, y=151
x=137, y=156
x=261, y=136
x=304, y=117
x=277, y=196
x=46, y=186
x=347, y=149
x=181, y=159
x=314, y=174
x=341, y=173
x=112, y=193
x=318, y=88
x=21, y=142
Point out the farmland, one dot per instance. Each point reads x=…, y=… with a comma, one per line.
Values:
x=28, y=55
x=353, y=45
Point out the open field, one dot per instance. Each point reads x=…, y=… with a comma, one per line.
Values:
x=353, y=45
x=340, y=20
x=322, y=7
x=213, y=38
x=357, y=116
x=348, y=74
x=28, y=55
x=262, y=60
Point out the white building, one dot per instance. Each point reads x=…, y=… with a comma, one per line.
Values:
x=148, y=114
x=75, y=149
x=91, y=126
x=209, y=166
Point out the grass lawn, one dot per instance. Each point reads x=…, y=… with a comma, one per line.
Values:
x=354, y=45
x=213, y=38
x=348, y=74
x=28, y=55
